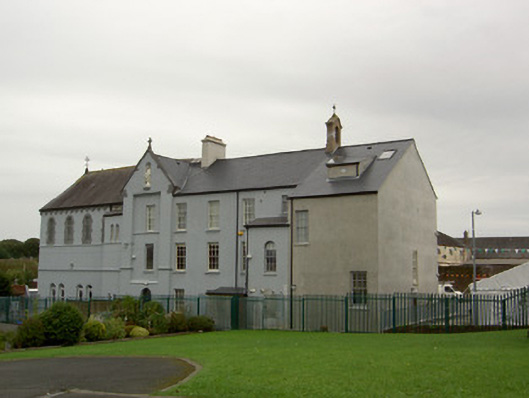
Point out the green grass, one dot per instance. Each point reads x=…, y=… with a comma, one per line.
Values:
x=293, y=364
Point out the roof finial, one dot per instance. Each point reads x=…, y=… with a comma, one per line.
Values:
x=86, y=163
x=333, y=108
x=150, y=142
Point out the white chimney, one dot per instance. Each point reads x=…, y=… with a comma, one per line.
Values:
x=212, y=149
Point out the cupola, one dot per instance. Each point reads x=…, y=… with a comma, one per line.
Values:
x=334, y=133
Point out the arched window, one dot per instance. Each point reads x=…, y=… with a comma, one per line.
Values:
x=145, y=295
x=89, y=292
x=53, y=292
x=270, y=257
x=87, y=229
x=79, y=292
x=62, y=294
x=112, y=233
x=68, y=231
x=50, y=233
x=116, y=233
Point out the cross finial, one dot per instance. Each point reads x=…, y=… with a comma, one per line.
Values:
x=86, y=163
x=150, y=142
x=334, y=108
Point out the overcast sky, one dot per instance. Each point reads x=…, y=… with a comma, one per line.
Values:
x=98, y=78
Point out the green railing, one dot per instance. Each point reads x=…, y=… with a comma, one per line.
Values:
x=400, y=312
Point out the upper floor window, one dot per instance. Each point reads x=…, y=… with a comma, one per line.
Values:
x=302, y=226
x=50, y=232
x=248, y=207
x=150, y=218
x=213, y=214
x=181, y=256
x=270, y=257
x=181, y=216
x=149, y=256
x=284, y=204
x=87, y=230
x=68, y=230
x=213, y=256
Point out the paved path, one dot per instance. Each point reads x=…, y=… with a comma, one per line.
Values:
x=83, y=377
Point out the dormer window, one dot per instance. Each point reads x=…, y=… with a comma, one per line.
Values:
x=387, y=154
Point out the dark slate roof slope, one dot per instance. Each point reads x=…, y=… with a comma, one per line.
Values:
x=448, y=241
x=317, y=184
x=276, y=170
x=175, y=169
x=95, y=188
x=508, y=242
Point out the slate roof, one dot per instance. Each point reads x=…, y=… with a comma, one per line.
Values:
x=265, y=222
x=446, y=240
x=94, y=188
x=306, y=171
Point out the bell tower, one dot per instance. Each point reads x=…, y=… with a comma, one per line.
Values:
x=334, y=132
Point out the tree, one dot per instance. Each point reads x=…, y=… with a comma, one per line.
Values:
x=14, y=248
x=31, y=247
x=5, y=285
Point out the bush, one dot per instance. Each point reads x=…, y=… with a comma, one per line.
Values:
x=159, y=324
x=62, y=324
x=29, y=334
x=177, y=322
x=115, y=329
x=94, y=330
x=138, y=331
x=152, y=317
x=128, y=329
x=127, y=308
x=201, y=322
x=6, y=340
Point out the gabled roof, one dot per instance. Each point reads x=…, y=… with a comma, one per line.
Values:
x=305, y=171
x=95, y=188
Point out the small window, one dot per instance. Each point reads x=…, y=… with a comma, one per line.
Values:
x=302, y=226
x=359, y=287
x=248, y=206
x=87, y=230
x=181, y=216
x=150, y=218
x=179, y=300
x=149, y=256
x=181, y=256
x=213, y=256
x=50, y=232
x=213, y=214
x=387, y=154
x=68, y=230
x=270, y=257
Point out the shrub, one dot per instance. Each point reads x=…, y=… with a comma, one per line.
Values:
x=151, y=314
x=29, y=334
x=177, y=322
x=115, y=329
x=62, y=324
x=6, y=340
x=159, y=324
x=94, y=330
x=127, y=308
x=128, y=329
x=138, y=331
x=201, y=322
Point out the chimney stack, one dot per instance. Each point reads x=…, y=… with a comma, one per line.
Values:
x=212, y=149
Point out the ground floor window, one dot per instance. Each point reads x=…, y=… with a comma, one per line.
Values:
x=181, y=256
x=79, y=292
x=179, y=300
x=359, y=287
x=62, y=293
x=213, y=256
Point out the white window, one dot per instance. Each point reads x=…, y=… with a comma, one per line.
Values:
x=284, y=204
x=150, y=218
x=89, y=292
x=213, y=256
x=79, y=292
x=149, y=256
x=50, y=233
x=87, y=230
x=270, y=257
x=68, y=230
x=213, y=214
x=181, y=256
x=248, y=207
x=359, y=287
x=302, y=226
x=179, y=300
x=181, y=216
x=62, y=293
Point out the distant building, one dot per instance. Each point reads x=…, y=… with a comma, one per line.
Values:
x=338, y=220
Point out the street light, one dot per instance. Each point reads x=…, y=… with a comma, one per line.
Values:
x=476, y=212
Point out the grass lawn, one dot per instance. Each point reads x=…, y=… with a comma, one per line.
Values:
x=293, y=364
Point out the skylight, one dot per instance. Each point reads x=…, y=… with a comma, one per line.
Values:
x=387, y=154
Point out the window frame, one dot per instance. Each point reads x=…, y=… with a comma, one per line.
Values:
x=181, y=216
x=248, y=210
x=270, y=257
x=150, y=218
x=149, y=257
x=51, y=231
x=214, y=214
x=180, y=257
x=213, y=257
x=302, y=227
x=359, y=287
x=86, y=235
x=69, y=229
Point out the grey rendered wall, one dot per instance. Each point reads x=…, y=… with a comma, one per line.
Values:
x=407, y=222
x=343, y=237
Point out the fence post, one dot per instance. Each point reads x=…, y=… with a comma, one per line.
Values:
x=89, y=306
x=447, y=315
x=503, y=315
x=303, y=314
x=346, y=305
x=198, y=305
x=394, y=308
x=168, y=303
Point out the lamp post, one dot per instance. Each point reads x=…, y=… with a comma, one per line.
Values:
x=474, y=312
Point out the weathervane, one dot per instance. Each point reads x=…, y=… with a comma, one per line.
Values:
x=150, y=142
